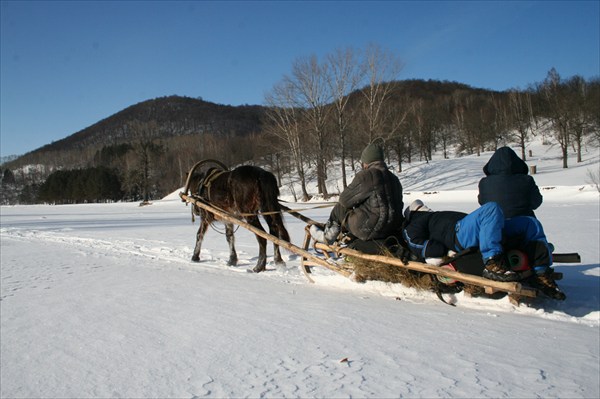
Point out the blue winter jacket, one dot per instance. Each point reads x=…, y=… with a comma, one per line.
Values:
x=508, y=184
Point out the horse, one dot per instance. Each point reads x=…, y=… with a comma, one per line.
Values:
x=244, y=191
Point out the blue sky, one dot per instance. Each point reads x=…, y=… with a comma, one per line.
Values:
x=67, y=65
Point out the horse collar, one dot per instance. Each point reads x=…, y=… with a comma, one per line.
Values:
x=207, y=181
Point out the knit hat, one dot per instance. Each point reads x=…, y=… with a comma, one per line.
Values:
x=371, y=153
x=416, y=205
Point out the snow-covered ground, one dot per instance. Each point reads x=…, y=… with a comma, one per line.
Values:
x=102, y=300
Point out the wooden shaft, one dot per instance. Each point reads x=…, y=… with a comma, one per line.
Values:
x=282, y=243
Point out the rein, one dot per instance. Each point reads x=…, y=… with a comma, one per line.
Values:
x=294, y=212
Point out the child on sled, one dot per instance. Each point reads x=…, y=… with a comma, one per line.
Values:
x=431, y=234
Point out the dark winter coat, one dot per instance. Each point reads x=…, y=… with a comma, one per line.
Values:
x=373, y=203
x=508, y=184
x=431, y=234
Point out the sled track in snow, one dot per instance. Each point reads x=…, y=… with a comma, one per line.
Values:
x=93, y=246
x=145, y=249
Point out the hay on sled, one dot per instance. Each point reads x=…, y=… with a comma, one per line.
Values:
x=365, y=270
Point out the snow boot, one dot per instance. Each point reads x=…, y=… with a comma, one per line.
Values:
x=497, y=270
x=317, y=233
x=545, y=283
x=332, y=231
x=328, y=235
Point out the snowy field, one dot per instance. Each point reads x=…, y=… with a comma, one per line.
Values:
x=102, y=300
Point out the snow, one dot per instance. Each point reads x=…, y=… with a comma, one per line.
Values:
x=102, y=300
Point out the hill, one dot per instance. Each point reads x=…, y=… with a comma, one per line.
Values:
x=147, y=148
x=160, y=118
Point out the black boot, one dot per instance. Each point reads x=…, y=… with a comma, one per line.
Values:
x=545, y=283
x=497, y=270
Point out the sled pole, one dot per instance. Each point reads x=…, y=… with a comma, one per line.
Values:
x=282, y=243
x=300, y=216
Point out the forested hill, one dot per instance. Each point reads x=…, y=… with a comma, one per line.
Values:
x=158, y=118
x=166, y=117
x=148, y=147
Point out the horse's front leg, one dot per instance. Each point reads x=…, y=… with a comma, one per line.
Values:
x=231, y=241
x=261, y=264
x=199, y=238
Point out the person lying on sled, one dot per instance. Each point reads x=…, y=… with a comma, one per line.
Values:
x=370, y=208
x=507, y=183
x=430, y=234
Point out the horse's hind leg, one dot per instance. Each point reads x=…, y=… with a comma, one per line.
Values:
x=277, y=228
x=199, y=238
x=273, y=230
x=277, y=256
x=231, y=241
x=261, y=264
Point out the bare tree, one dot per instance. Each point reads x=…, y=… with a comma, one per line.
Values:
x=556, y=110
x=444, y=131
x=285, y=124
x=313, y=96
x=344, y=77
x=521, y=113
x=399, y=125
x=593, y=109
x=461, y=105
x=582, y=119
x=381, y=68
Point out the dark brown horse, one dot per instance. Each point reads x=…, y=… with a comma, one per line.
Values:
x=243, y=192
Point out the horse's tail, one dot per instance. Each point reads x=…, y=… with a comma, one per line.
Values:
x=269, y=192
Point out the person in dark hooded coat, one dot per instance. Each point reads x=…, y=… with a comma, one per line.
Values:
x=507, y=183
x=370, y=208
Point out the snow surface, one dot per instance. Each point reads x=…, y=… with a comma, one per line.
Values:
x=102, y=300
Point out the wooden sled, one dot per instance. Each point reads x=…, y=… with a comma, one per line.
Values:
x=328, y=257
x=516, y=291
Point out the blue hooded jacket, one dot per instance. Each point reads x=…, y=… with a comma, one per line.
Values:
x=508, y=184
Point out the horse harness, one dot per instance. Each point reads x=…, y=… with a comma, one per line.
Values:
x=206, y=183
x=204, y=187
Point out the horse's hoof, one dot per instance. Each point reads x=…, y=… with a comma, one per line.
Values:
x=195, y=259
x=258, y=269
x=232, y=262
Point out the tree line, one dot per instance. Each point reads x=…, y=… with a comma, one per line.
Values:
x=331, y=108
x=323, y=110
